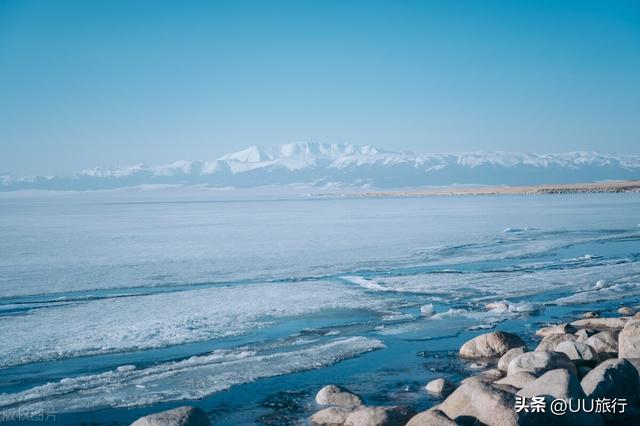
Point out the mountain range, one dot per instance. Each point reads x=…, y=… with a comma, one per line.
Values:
x=345, y=165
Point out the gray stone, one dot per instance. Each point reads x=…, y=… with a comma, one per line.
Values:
x=503, y=362
x=431, y=417
x=579, y=353
x=181, y=416
x=613, y=378
x=539, y=362
x=440, y=387
x=517, y=380
x=556, y=329
x=550, y=342
x=337, y=395
x=489, y=376
x=331, y=416
x=629, y=340
x=483, y=401
x=380, y=416
x=601, y=323
x=490, y=345
x=559, y=384
x=604, y=343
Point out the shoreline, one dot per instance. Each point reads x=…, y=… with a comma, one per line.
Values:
x=582, y=358
x=583, y=371
x=579, y=188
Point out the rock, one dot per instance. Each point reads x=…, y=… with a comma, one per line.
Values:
x=550, y=342
x=483, y=401
x=517, y=380
x=380, y=416
x=629, y=340
x=432, y=417
x=337, y=395
x=613, y=378
x=556, y=329
x=490, y=345
x=489, y=376
x=331, y=416
x=637, y=316
x=503, y=362
x=625, y=310
x=590, y=314
x=181, y=416
x=539, y=362
x=559, y=384
x=604, y=343
x=579, y=353
x=583, y=334
x=601, y=324
x=440, y=387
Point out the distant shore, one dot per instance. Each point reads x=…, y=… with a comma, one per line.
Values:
x=578, y=188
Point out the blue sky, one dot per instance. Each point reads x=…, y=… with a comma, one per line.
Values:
x=85, y=83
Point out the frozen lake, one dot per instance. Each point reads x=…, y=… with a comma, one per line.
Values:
x=113, y=307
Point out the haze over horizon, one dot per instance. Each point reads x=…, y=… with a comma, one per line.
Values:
x=118, y=83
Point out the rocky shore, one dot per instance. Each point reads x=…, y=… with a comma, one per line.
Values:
x=584, y=372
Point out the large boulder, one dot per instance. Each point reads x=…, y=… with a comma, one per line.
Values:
x=629, y=340
x=440, y=387
x=579, y=353
x=337, y=395
x=431, y=417
x=503, y=362
x=181, y=416
x=556, y=329
x=604, y=343
x=550, y=342
x=483, y=401
x=517, y=380
x=491, y=345
x=539, y=362
x=613, y=378
x=380, y=416
x=559, y=384
x=601, y=323
x=331, y=416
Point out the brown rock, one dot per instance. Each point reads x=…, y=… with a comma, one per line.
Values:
x=550, y=342
x=432, y=417
x=181, y=416
x=380, y=416
x=601, y=323
x=490, y=345
x=483, y=401
x=331, y=416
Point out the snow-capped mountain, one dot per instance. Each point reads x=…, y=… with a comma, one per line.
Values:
x=316, y=164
